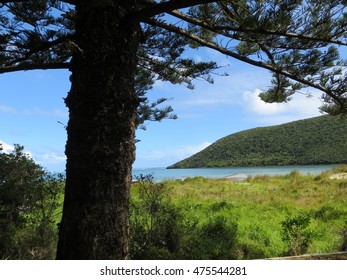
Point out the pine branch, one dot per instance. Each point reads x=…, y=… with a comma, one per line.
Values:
x=72, y=2
x=211, y=45
x=34, y=66
x=221, y=30
x=43, y=47
x=153, y=8
x=280, y=33
x=12, y=1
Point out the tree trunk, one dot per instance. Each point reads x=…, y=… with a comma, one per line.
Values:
x=100, y=147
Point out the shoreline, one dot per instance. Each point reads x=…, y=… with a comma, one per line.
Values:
x=162, y=174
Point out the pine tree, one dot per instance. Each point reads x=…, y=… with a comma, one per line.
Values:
x=115, y=51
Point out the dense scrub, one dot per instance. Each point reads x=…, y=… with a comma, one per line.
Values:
x=320, y=140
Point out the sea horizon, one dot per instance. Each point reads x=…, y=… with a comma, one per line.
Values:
x=162, y=173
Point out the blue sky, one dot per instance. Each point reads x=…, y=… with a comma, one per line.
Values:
x=33, y=113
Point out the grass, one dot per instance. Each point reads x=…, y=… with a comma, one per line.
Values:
x=259, y=205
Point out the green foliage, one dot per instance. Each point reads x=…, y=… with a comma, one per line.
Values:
x=214, y=239
x=320, y=140
x=219, y=219
x=344, y=238
x=159, y=229
x=30, y=207
x=259, y=205
x=255, y=243
x=155, y=222
x=296, y=234
x=328, y=213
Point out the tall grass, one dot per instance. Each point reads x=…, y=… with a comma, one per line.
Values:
x=258, y=208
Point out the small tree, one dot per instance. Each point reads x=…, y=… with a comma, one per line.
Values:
x=30, y=200
x=156, y=222
x=297, y=235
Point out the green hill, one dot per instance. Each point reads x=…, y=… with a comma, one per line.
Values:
x=320, y=140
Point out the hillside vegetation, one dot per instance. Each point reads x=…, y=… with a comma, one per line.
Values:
x=320, y=140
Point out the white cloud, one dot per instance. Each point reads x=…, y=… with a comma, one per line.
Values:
x=225, y=91
x=7, y=109
x=166, y=157
x=44, y=159
x=53, y=161
x=41, y=112
x=34, y=111
x=28, y=154
x=256, y=105
x=301, y=106
x=50, y=158
x=187, y=151
x=6, y=148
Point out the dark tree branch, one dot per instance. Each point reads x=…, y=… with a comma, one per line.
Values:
x=153, y=8
x=34, y=66
x=72, y=2
x=281, y=33
x=43, y=47
x=11, y=1
x=211, y=45
x=221, y=30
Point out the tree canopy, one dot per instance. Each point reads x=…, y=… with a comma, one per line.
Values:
x=298, y=41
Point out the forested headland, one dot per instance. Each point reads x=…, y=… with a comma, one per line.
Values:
x=319, y=140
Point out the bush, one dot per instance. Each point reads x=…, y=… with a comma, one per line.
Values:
x=297, y=235
x=327, y=213
x=344, y=238
x=159, y=230
x=155, y=228
x=29, y=202
x=250, y=251
x=214, y=240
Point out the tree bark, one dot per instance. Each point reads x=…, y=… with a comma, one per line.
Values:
x=100, y=147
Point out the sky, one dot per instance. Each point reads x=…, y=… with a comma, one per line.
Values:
x=33, y=113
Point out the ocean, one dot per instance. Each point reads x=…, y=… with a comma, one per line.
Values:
x=161, y=173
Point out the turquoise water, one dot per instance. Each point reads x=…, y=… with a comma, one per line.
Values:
x=161, y=174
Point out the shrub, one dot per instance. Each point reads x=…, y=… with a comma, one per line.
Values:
x=215, y=239
x=344, y=238
x=222, y=205
x=297, y=235
x=160, y=231
x=250, y=251
x=155, y=228
x=29, y=202
x=327, y=213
